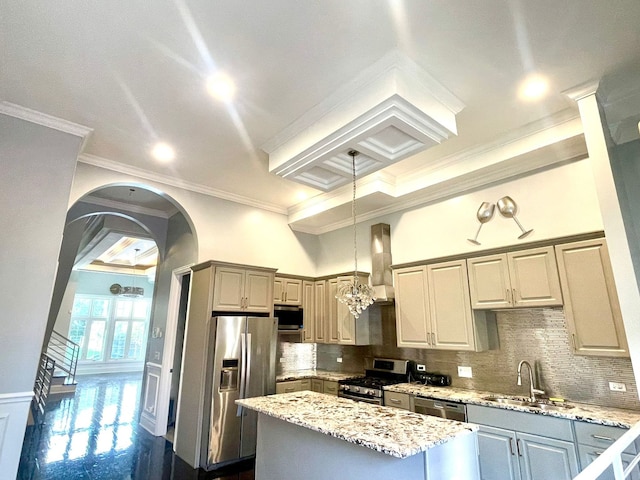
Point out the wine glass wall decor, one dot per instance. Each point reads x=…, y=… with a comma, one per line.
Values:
x=484, y=214
x=507, y=208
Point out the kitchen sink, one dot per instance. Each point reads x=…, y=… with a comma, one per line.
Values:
x=542, y=404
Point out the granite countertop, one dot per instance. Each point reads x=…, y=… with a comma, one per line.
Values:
x=321, y=374
x=614, y=417
x=389, y=430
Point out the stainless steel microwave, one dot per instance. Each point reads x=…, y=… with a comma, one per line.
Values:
x=289, y=317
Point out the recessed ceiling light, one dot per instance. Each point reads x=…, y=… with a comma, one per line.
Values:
x=163, y=152
x=534, y=87
x=221, y=87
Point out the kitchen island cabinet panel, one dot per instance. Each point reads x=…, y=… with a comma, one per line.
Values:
x=591, y=300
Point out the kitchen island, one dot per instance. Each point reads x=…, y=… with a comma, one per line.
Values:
x=315, y=436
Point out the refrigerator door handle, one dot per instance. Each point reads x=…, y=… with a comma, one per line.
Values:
x=247, y=373
x=243, y=369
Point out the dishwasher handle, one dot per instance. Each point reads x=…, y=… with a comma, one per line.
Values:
x=438, y=408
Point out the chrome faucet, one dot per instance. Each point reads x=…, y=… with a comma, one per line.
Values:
x=532, y=389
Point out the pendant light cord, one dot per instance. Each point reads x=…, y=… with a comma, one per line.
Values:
x=353, y=154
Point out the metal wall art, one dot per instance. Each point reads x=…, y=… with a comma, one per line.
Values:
x=507, y=208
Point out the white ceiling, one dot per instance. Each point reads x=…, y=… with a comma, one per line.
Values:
x=134, y=72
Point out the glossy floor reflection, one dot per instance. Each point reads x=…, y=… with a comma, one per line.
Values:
x=95, y=435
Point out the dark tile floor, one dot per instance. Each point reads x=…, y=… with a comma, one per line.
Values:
x=95, y=435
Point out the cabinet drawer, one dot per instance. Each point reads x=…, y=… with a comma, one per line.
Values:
x=288, y=387
x=601, y=436
x=305, y=384
x=399, y=400
x=521, y=422
x=330, y=388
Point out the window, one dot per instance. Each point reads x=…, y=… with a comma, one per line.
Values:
x=110, y=329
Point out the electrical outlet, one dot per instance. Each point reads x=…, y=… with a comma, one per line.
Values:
x=339, y=359
x=421, y=368
x=465, y=372
x=617, y=387
x=281, y=359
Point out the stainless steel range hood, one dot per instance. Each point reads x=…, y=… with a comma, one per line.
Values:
x=381, y=275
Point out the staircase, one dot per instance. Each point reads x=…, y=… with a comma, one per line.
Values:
x=56, y=372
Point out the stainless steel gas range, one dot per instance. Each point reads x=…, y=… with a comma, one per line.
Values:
x=384, y=371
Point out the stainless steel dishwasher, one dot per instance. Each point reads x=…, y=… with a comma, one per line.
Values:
x=438, y=408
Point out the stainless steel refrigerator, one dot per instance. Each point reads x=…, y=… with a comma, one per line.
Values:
x=241, y=365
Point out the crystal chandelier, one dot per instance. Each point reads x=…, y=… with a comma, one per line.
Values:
x=355, y=295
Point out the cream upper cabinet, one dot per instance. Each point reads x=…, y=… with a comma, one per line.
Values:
x=237, y=289
x=412, y=307
x=433, y=309
x=590, y=299
x=287, y=291
x=320, y=311
x=526, y=278
x=308, y=311
x=352, y=330
x=332, y=311
x=450, y=306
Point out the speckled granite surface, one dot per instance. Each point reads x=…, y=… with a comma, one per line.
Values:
x=587, y=413
x=385, y=429
x=321, y=374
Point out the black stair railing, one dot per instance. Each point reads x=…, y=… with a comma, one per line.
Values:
x=65, y=354
x=43, y=383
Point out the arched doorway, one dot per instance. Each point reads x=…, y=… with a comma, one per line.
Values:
x=132, y=215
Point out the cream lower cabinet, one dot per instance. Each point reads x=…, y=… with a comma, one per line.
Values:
x=433, y=309
x=591, y=303
x=293, y=385
x=526, y=278
x=239, y=290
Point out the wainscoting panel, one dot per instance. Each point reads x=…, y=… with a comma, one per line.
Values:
x=14, y=411
x=148, y=417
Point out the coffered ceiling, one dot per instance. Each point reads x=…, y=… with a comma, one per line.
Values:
x=135, y=73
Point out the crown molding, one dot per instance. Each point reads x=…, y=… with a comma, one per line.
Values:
x=45, y=120
x=583, y=90
x=103, y=202
x=174, y=182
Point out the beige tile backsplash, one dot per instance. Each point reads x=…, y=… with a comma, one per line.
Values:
x=537, y=335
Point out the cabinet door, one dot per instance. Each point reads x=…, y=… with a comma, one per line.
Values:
x=305, y=384
x=590, y=299
x=332, y=311
x=278, y=290
x=320, y=311
x=228, y=289
x=412, y=307
x=398, y=400
x=545, y=458
x=346, y=322
x=588, y=454
x=308, y=311
x=258, y=291
x=450, y=306
x=489, y=282
x=498, y=454
x=317, y=385
x=293, y=291
x=534, y=278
